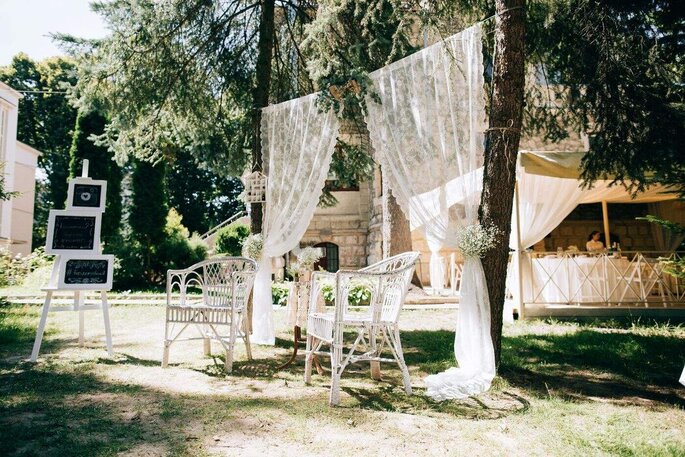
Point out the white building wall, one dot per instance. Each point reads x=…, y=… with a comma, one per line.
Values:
x=9, y=111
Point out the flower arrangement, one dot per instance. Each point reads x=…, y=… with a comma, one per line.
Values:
x=253, y=246
x=308, y=257
x=475, y=240
x=573, y=249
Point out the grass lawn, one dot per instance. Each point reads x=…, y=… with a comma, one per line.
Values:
x=564, y=389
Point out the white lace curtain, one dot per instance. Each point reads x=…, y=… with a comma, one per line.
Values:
x=428, y=132
x=297, y=144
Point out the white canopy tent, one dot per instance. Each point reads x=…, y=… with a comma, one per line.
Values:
x=548, y=188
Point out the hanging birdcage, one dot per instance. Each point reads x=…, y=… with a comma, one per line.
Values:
x=255, y=187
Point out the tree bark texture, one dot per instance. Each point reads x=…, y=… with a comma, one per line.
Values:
x=502, y=143
x=400, y=233
x=260, y=96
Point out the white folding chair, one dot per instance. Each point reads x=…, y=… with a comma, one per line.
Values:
x=224, y=285
x=388, y=282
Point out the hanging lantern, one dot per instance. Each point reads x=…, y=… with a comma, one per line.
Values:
x=255, y=187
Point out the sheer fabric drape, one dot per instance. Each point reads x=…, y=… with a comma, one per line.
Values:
x=297, y=145
x=428, y=132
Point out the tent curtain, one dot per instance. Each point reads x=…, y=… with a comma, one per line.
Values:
x=428, y=132
x=297, y=145
x=673, y=211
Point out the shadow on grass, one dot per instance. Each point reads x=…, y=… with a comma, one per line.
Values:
x=622, y=367
x=589, y=362
x=45, y=412
x=394, y=399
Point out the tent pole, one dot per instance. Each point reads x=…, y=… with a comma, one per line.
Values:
x=605, y=218
x=519, y=254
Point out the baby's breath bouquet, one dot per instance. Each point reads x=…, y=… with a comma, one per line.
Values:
x=253, y=246
x=308, y=257
x=475, y=240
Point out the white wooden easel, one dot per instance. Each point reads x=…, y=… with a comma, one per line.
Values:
x=78, y=306
x=57, y=282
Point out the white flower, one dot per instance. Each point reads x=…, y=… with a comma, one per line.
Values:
x=475, y=240
x=253, y=246
x=308, y=257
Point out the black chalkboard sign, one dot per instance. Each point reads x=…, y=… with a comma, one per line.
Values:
x=86, y=196
x=73, y=233
x=86, y=271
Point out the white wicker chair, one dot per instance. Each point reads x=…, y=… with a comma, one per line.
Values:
x=388, y=282
x=225, y=284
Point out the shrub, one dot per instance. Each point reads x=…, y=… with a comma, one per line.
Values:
x=358, y=295
x=279, y=293
x=229, y=240
x=15, y=269
x=177, y=250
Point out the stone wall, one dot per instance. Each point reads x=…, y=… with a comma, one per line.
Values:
x=345, y=225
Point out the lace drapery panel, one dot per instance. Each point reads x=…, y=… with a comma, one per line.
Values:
x=297, y=145
x=428, y=132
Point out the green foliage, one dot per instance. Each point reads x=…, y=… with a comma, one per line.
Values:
x=178, y=250
x=148, y=211
x=46, y=120
x=147, y=220
x=171, y=68
x=229, y=240
x=359, y=295
x=141, y=267
x=101, y=166
x=620, y=69
x=202, y=196
x=4, y=194
x=279, y=293
x=347, y=40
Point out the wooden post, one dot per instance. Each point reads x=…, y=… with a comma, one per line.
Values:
x=520, y=302
x=108, y=328
x=78, y=305
x=41, y=326
x=605, y=218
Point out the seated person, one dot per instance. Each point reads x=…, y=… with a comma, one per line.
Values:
x=593, y=243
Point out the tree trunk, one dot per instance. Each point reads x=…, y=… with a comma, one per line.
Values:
x=260, y=96
x=502, y=142
x=400, y=233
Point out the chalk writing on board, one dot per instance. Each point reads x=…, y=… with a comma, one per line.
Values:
x=86, y=271
x=74, y=232
x=86, y=195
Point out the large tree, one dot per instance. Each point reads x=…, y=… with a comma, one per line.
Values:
x=203, y=198
x=502, y=143
x=191, y=74
x=46, y=121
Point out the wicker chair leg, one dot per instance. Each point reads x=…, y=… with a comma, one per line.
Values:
x=335, y=390
x=165, y=356
x=336, y=372
x=400, y=360
x=207, y=347
x=308, y=358
x=248, y=348
x=167, y=343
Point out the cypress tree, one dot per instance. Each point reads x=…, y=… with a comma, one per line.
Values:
x=102, y=166
x=149, y=208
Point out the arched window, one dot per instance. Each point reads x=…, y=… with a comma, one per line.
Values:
x=330, y=260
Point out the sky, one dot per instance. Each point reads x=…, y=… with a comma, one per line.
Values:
x=26, y=24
